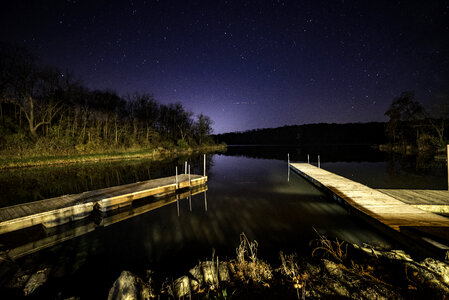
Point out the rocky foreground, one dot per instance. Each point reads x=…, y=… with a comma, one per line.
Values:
x=334, y=270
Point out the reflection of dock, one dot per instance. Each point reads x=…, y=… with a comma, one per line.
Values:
x=68, y=234
x=60, y=210
x=381, y=206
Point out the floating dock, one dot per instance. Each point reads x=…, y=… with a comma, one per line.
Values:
x=56, y=236
x=56, y=211
x=383, y=206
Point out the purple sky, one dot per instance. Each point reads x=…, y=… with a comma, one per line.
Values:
x=247, y=64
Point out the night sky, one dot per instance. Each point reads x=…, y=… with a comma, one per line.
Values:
x=247, y=64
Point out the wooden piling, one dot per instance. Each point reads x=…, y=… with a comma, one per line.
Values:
x=204, y=173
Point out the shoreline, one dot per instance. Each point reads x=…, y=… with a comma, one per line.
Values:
x=154, y=154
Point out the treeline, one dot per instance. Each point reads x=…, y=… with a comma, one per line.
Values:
x=410, y=128
x=310, y=134
x=46, y=110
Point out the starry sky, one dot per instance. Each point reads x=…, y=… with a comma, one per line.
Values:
x=246, y=64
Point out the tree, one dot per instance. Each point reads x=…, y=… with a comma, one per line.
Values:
x=404, y=114
x=203, y=128
x=31, y=88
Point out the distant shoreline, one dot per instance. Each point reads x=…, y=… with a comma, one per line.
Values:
x=11, y=162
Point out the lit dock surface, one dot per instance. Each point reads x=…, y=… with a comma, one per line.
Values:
x=436, y=201
x=60, y=210
x=378, y=205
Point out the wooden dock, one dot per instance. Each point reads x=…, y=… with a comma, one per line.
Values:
x=379, y=205
x=60, y=236
x=63, y=209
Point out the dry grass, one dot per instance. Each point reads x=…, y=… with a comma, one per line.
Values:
x=290, y=269
x=335, y=249
x=248, y=266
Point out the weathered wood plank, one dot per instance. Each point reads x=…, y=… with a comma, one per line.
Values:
x=419, y=197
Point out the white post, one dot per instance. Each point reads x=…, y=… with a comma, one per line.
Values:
x=205, y=201
x=190, y=182
x=308, y=158
x=176, y=177
x=204, y=165
x=447, y=152
x=185, y=168
x=288, y=166
x=318, y=161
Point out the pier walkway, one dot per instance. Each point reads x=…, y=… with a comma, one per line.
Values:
x=374, y=203
x=383, y=209
x=63, y=209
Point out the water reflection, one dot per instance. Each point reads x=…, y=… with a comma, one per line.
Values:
x=31, y=184
x=244, y=195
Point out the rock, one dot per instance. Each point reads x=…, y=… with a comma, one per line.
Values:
x=129, y=286
x=35, y=281
x=209, y=272
x=332, y=268
x=223, y=272
x=182, y=286
x=197, y=273
x=438, y=267
x=430, y=277
x=392, y=254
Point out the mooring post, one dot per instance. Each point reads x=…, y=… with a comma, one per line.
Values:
x=176, y=177
x=318, y=161
x=204, y=165
x=205, y=201
x=288, y=167
x=190, y=182
x=185, y=168
x=308, y=159
x=447, y=153
x=288, y=158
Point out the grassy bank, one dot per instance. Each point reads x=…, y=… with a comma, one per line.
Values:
x=17, y=161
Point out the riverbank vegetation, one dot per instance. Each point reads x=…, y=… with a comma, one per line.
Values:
x=46, y=113
x=335, y=269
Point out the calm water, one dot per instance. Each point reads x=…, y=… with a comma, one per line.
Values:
x=248, y=191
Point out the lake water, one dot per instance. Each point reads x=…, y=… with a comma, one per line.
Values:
x=248, y=191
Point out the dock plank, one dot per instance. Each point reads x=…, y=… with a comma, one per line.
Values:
x=383, y=205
